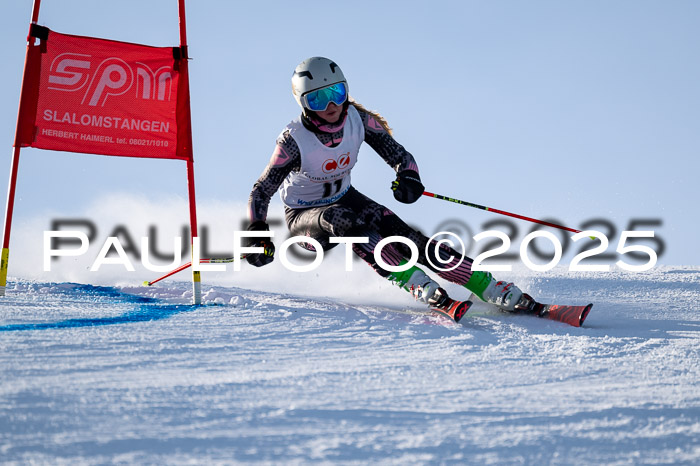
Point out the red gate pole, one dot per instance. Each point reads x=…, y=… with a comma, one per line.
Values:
x=196, y=275
x=4, y=256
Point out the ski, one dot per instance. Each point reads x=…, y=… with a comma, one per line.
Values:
x=453, y=309
x=572, y=315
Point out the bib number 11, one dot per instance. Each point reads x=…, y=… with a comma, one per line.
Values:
x=330, y=189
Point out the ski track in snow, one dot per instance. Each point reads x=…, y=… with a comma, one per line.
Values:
x=136, y=375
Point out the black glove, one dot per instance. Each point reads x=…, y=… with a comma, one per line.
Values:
x=260, y=259
x=407, y=187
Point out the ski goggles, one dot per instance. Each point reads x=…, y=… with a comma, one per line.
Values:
x=319, y=99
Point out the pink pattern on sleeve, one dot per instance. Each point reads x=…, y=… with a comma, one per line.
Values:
x=280, y=157
x=412, y=166
x=374, y=125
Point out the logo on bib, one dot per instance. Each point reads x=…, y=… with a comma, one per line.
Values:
x=331, y=165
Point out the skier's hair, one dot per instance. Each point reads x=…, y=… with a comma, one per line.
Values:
x=380, y=119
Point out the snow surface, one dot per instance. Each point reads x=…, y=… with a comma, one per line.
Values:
x=93, y=374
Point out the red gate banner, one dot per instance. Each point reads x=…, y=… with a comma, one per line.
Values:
x=98, y=96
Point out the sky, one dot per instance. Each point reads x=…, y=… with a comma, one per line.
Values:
x=583, y=112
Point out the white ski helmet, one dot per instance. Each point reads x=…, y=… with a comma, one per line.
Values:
x=315, y=73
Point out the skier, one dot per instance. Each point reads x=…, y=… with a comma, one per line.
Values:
x=312, y=161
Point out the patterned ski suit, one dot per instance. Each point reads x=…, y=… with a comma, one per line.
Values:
x=320, y=202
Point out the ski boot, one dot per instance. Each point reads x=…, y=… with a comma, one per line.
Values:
x=505, y=295
x=416, y=282
x=426, y=290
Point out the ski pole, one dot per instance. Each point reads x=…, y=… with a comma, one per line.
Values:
x=189, y=264
x=502, y=212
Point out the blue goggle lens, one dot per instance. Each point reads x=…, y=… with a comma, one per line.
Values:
x=319, y=99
